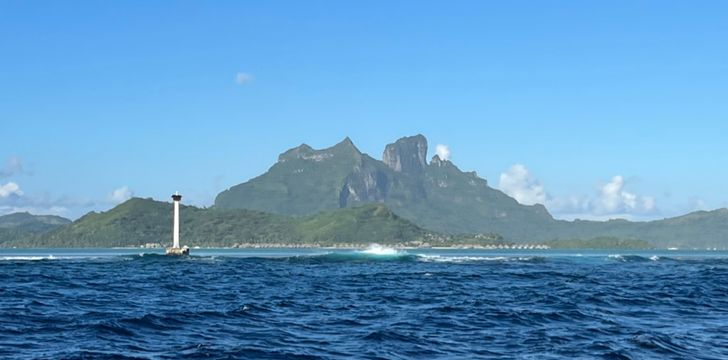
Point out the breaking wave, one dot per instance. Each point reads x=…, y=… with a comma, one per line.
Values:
x=373, y=303
x=639, y=258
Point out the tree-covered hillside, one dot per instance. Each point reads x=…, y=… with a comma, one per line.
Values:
x=21, y=225
x=436, y=195
x=440, y=197
x=144, y=221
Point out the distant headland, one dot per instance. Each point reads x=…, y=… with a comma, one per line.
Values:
x=340, y=197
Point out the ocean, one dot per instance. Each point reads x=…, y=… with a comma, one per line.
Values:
x=377, y=304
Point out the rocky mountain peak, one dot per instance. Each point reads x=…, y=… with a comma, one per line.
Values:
x=436, y=161
x=346, y=145
x=304, y=152
x=295, y=153
x=406, y=154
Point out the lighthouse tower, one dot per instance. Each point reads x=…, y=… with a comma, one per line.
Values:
x=175, y=249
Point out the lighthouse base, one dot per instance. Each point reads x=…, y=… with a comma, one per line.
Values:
x=173, y=251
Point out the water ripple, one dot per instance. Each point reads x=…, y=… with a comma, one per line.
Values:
x=377, y=306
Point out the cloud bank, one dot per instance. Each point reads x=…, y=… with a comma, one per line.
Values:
x=610, y=200
x=13, y=199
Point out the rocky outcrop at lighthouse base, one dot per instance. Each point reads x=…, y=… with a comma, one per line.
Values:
x=173, y=251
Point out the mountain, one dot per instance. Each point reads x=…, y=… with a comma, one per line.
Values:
x=24, y=224
x=440, y=197
x=304, y=181
x=700, y=230
x=601, y=243
x=435, y=195
x=24, y=221
x=137, y=222
x=340, y=196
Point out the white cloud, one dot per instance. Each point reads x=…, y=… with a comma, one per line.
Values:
x=518, y=183
x=443, y=151
x=121, y=194
x=611, y=200
x=10, y=188
x=614, y=199
x=13, y=200
x=242, y=78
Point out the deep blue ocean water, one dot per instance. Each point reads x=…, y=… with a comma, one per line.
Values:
x=310, y=304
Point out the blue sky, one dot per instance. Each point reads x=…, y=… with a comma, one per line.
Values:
x=598, y=109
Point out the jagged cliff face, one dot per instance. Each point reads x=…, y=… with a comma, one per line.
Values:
x=408, y=154
x=436, y=196
x=368, y=182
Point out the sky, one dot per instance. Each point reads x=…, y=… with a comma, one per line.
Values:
x=612, y=109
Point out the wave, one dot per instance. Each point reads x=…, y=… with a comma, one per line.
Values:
x=379, y=253
x=638, y=258
x=163, y=257
x=379, y=250
x=627, y=258
x=44, y=257
x=28, y=258
x=469, y=259
x=374, y=253
x=355, y=257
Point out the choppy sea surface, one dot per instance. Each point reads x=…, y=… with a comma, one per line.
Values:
x=375, y=304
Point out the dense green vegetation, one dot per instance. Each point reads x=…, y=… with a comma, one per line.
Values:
x=26, y=222
x=144, y=221
x=339, y=196
x=24, y=225
x=700, y=230
x=302, y=182
x=439, y=197
x=604, y=242
x=435, y=196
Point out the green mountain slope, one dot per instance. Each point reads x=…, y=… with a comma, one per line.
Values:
x=700, y=230
x=141, y=221
x=600, y=243
x=31, y=223
x=436, y=196
x=19, y=225
x=440, y=197
x=303, y=182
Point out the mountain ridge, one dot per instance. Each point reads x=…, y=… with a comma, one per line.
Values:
x=438, y=196
x=139, y=222
x=23, y=224
x=305, y=181
x=331, y=195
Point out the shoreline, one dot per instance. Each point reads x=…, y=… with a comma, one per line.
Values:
x=365, y=247
x=362, y=246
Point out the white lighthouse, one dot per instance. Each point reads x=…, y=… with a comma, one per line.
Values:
x=175, y=249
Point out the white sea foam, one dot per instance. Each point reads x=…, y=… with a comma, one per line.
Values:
x=376, y=249
x=462, y=259
x=27, y=258
x=654, y=258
